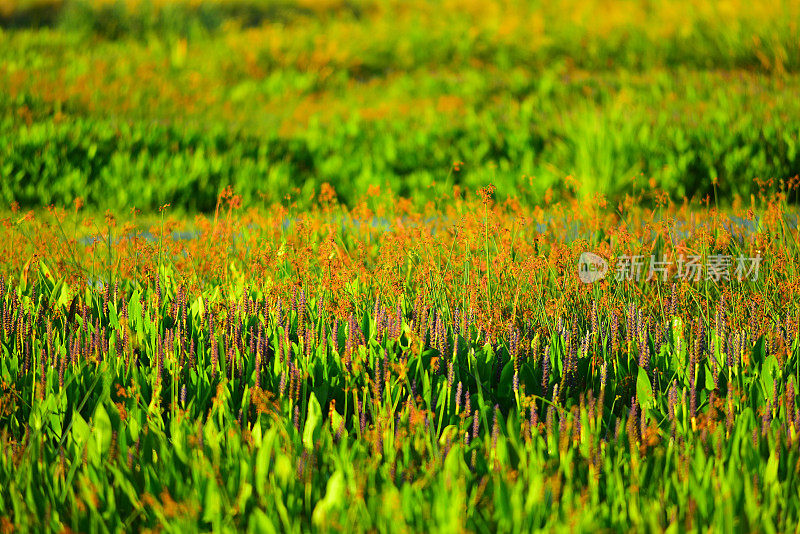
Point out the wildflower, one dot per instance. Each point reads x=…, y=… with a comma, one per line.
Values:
x=633, y=422
x=495, y=427
x=362, y=418
x=644, y=355
x=729, y=412
x=450, y=374
x=515, y=346
x=673, y=300
x=214, y=357
x=672, y=399
x=766, y=419
x=498, y=366
x=550, y=422
x=192, y=355
x=545, y=370
x=603, y=376
x=630, y=323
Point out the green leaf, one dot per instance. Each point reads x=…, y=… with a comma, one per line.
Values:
x=284, y=470
x=505, y=387
x=644, y=390
x=102, y=429
x=449, y=434
x=334, y=498
x=260, y=523
x=55, y=418
x=212, y=503
x=313, y=419
x=80, y=429
x=771, y=471
x=198, y=308
x=321, y=384
x=337, y=421
x=768, y=374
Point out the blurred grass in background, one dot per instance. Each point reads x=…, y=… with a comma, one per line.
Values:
x=358, y=361
x=143, y=103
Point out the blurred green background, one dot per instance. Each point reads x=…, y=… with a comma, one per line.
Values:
x=139, y=103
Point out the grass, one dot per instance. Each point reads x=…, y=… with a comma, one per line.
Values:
x=292, y=266
x=342, y=376
x=697, y=99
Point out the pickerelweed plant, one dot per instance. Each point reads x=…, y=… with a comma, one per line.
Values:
x=445, y=371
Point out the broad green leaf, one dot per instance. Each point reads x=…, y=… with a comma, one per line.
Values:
x=102, y=429
x=334, y=499
x=768, y=374
x=80, y=429
x=260, y=523
x=313, y=419
x=212, y=502
x=644, y=389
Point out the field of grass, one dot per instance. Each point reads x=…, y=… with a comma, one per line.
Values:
x=143, y=103
x=446, y=371
x=320, y=266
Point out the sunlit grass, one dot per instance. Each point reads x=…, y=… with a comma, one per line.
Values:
x=447, y=371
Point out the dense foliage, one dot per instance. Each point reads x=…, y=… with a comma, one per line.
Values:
x=435, y=372
x=144, y=103
x=284, y=308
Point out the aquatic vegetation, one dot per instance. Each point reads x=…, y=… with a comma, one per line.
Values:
x=448, y=370
x=382, y=265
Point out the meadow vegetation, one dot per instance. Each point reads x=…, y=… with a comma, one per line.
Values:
x=143, y=103
x=431, y=374
x=254, y=277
